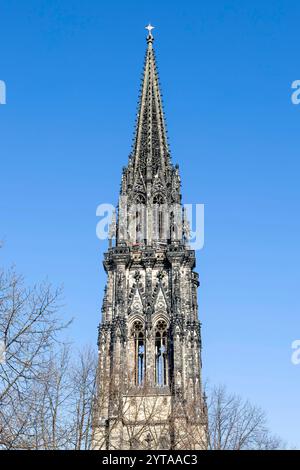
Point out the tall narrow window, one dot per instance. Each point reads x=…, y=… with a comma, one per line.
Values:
x=138, y=227
x=139, y=352
x=140, y=219
x=140, y=359
x=172, y=225
x=160, y=223
x=158, y=204
x=161, y=358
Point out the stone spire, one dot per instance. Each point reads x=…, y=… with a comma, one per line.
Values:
x=150, y=157
x=150, y=180
x=149, y=393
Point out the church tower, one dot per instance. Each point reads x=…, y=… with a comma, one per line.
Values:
x=149, y=393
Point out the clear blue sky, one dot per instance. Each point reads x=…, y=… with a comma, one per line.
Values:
x=72, y=71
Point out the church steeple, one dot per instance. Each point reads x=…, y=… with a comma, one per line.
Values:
x=149, y=391
x=150, y=180
x=150, y=151
x=149, y=163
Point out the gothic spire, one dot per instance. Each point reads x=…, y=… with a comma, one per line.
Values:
x=150, y=180
x=150, y=154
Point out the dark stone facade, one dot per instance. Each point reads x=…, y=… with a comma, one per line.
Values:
x=149, y=391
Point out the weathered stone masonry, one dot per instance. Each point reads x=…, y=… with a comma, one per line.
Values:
x=149, y=392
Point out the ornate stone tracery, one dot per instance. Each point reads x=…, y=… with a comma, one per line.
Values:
x=149, y=337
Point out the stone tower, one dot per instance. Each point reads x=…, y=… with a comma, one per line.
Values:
x=149, y=392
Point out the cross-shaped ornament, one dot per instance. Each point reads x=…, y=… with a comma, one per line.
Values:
x=149, y=28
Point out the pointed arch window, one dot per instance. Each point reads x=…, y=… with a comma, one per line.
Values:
x=158, y=203
x=172, y=225
x=139, y=352
x=140, y=218
x=161, y=354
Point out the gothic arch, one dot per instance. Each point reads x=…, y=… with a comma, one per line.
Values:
x=158, y=199
x=160, y=315
x=161, y=353
x=133, y=318
x=159, y=216
x=138, y=348
x=140, y=199
x=140, y=216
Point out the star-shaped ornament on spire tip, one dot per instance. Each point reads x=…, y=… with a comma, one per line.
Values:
x=149, y=28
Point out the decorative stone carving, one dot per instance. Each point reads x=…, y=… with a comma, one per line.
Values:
x=149, y=337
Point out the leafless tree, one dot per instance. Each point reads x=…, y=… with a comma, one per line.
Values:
x=236, y=424
x=63, y=401
x=47, y=392
x=83, y=375
x=233, y=424
x=29, y=326
x=139, y=418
